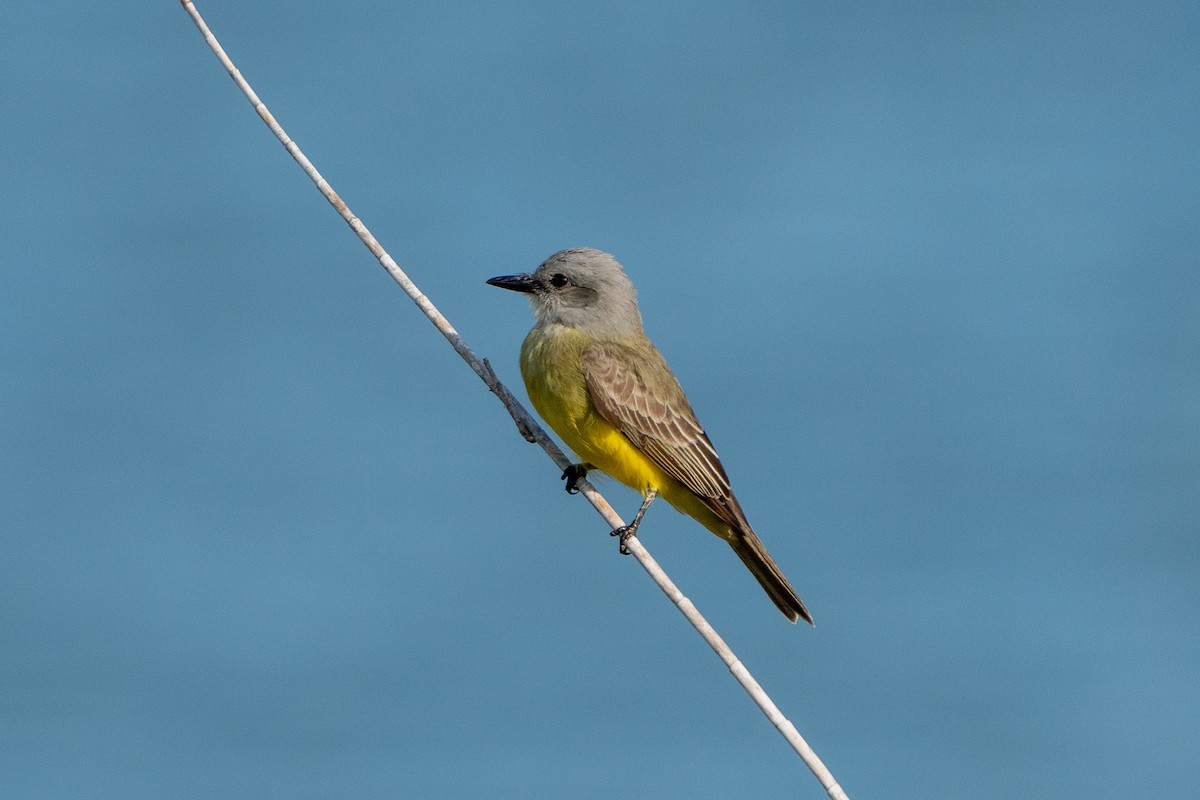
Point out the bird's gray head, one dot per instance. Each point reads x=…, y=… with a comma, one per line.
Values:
x=580, y=288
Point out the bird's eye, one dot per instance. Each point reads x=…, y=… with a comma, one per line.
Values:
x=558, y=280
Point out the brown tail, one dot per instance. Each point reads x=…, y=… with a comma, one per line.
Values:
x=752, y=553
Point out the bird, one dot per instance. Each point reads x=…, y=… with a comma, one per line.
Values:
x=597, y=380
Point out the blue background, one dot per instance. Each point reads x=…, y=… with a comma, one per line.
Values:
x=928, y=271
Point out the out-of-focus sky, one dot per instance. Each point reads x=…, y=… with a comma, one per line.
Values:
x=929, y=273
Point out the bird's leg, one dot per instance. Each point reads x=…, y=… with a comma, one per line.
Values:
x=629, y=531
x=572, y=476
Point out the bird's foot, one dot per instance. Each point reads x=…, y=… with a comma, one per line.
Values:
x=626, y=532
x=572, y=475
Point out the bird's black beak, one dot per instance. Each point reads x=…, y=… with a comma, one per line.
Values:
x=518, y=283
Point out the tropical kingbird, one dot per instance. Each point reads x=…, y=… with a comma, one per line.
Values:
x=598, y=381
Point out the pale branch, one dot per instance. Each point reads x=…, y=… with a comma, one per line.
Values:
x=527, y=426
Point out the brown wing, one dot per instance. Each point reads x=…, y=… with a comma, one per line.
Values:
x=636, y=391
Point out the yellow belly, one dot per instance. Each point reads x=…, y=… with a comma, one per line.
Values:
x=558, y=391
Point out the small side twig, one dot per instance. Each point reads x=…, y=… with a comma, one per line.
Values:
x=515, y=409
x=527, y=425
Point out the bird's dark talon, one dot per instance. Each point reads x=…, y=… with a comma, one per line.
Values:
x=626, y=533
x=572, y=476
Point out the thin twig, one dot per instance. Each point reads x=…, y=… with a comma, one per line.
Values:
x=528, y=426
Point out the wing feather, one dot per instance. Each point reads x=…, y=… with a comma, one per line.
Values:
x=636, y=392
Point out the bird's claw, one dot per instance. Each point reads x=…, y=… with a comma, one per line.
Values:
x=572, y=475
x=626, y=532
